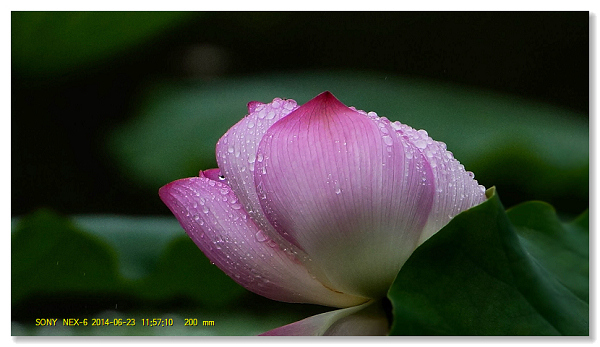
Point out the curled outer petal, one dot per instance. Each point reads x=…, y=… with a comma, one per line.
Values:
x=213, y=217
x=367, y=319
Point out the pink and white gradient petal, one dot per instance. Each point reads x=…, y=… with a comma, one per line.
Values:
x=237, y=157
x=364, y=320
x=455, y=188
x=339, y=184
x=215, y=220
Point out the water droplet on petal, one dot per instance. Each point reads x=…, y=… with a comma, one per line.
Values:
x=289, y=105
x=420, y=144
x=387, y=140
x=260, y=236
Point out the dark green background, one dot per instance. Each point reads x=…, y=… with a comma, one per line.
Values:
x=108, y=106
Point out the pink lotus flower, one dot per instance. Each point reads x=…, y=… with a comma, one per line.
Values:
x=321, y=204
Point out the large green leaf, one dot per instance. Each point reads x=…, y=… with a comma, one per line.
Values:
x=484, y=275
x=561, y=248
x=537, y=150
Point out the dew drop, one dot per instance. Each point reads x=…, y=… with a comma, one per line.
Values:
x=250, y=125
x=289, y=105
x=387, y=140
x=230, y=149
x=260, y=236
x=420, y=144
x=270, y=115
x=236, y=206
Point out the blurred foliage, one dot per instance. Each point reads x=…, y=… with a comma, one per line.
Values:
x=93, y=267
x=533, y=150
x=49, y=255
x=52, y=43
x=491, y=272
